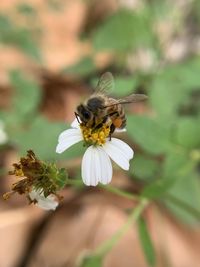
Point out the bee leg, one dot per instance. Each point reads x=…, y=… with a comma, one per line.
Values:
x=101, y=123
x=112, y=129
x=77, y=117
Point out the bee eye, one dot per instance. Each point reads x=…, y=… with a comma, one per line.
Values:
x=86, y=114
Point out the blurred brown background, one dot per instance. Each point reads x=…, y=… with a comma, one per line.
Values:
x=31, y=237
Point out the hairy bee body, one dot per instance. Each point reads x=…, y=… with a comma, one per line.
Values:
x=100, y=109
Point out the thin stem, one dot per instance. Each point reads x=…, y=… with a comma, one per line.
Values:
x=109, y=244
x=180, y=203
x=120, y=192
x=76, y=182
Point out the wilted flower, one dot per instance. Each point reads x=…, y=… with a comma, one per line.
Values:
x=39, y=181
x=96, y=163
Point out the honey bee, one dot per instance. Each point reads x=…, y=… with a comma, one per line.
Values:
x=101, y=109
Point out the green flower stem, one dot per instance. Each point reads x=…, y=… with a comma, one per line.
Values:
x=76, y=182
x=134, y=216
x=183, y=205
x=117, y=191
x=120, y=192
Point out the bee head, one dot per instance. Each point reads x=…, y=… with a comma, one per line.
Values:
x=84, y=113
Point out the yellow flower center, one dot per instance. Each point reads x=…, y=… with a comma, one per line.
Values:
x=97, y=136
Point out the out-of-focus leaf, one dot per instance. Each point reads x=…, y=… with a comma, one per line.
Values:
x=144, y=168
x=177, y=164
x=186, y=189
x=20, y=37
x=92, y=261
x=146, y=242
x=188, y=132
x=27, y=94
x=158, y=188
x=26, y=9
x=123, y=31
x=125, y=86
x=166, y=96
x=150, y=135
x=82, y=68
x=42, y=137
x=171, y=88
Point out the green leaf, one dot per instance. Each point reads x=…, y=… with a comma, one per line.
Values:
x=149, y=134
x=188, y=132
x=166, y=96
x=123, y=31
x=177, y=164
x=158, y=188
x=172, y=87
x=41, y=137
x=27, y=94
x=92, y=261
x=187, y=190
x=146, y=242
x=144, y=168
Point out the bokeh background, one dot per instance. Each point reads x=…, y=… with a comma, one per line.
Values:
x=51, y=55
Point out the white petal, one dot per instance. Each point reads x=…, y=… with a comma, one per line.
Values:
x=68, y=138
x=118, y=130
x=119, y=152
x=96, y=166
x=69, y=133
x=126, y=149
x=75, y=124
x=106, y=167
x=46, y=203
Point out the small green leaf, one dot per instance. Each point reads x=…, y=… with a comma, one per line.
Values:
x=149, y=134
x=144, y=168
x=188, y=132
x=146, y=243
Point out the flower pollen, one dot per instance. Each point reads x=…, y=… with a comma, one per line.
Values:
x=95, y=137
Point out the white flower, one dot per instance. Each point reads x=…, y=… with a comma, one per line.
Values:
x=96, y=164
x=45, y=203
x=3, y=135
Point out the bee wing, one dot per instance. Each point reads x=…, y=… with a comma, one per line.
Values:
x=105, y=84
x=132, y=98
x=129, y=99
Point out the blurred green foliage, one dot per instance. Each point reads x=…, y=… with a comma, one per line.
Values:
x=167, y=163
